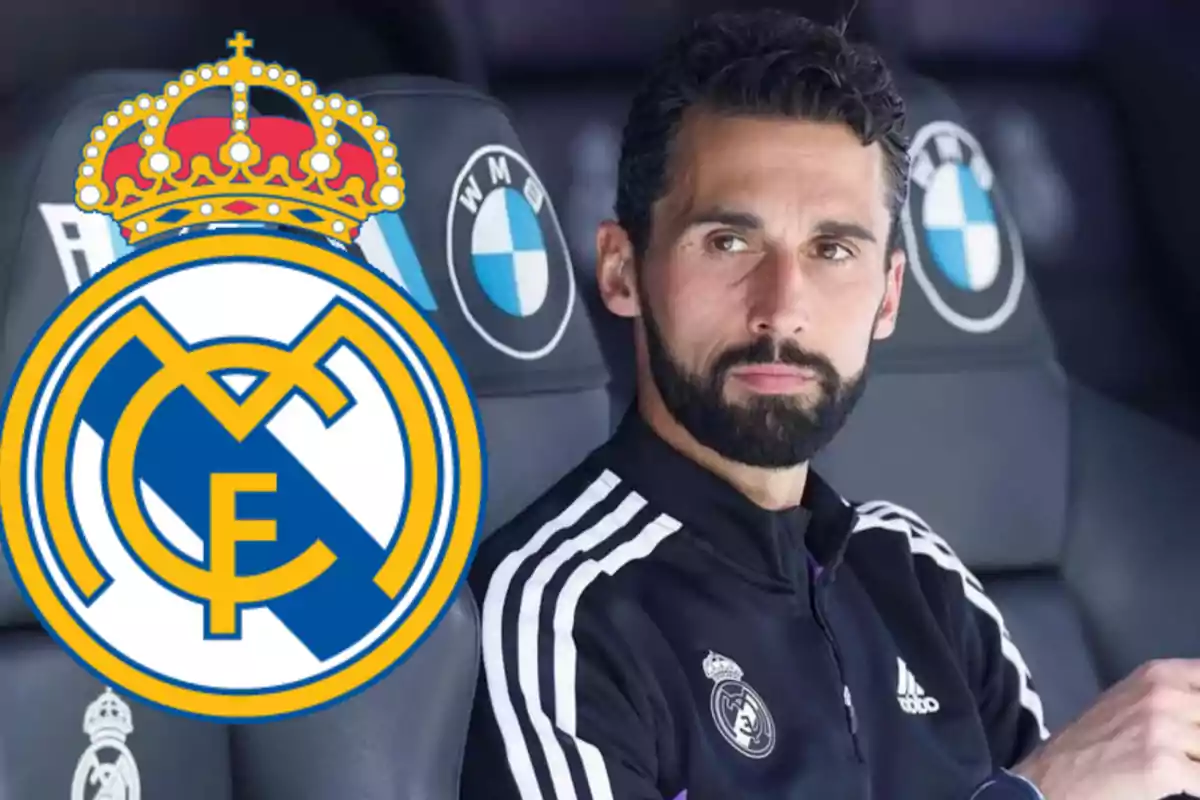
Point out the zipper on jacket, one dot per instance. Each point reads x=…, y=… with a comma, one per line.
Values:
x=817, y=598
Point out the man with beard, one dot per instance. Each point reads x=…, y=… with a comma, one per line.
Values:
x=693, y=612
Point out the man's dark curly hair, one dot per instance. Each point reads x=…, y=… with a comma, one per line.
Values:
x=760, y=63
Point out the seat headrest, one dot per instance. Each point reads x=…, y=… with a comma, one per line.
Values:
x=965, y=419
x=48, y=247
x=968, y=300
x=478, y=242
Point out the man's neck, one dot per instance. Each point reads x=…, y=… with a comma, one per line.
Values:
x=773, y=489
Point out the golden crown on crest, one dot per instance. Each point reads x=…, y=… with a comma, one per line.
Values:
x=239, y=168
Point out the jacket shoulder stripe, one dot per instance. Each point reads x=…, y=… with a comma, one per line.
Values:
x=549, y=551
x=923, y=541
x=564, y=653
x=503, y=695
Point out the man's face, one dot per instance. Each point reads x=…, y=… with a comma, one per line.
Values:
x=764, y=284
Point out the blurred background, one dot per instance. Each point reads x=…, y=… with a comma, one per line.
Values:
x=1085, y=107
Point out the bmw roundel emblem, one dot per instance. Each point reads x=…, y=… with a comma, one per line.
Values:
x=508, y=260
x=963, y=246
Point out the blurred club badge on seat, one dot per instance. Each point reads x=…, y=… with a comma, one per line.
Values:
x=241, y=475
x=507, y=256
x=107, y=770
x=963, y=246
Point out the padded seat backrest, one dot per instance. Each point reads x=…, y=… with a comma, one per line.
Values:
x=1042, y=85
x=966, y=416
x=493, y=276
x=499, y=281
x=1099, y=269
x=574, y=137
x=969, y=421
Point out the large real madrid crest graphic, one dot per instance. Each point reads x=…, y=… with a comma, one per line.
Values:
x=507, y=256
x=240, y=472
x=963, y=246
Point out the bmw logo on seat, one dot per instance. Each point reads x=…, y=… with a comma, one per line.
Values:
x=507, y=256
x=963, y=246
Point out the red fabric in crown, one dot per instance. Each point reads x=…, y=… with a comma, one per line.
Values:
x=274, y=135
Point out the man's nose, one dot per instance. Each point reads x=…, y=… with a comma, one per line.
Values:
x=778, y=296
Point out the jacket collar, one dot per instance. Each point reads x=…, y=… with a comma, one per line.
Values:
x=774, y=545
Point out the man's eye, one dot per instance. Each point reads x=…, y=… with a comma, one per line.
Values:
x=728, y=243
x=832, y=251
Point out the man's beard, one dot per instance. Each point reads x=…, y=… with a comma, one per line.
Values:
x=772, y=431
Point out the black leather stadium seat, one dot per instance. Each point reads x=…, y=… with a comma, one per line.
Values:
x=1151, y=72
x=1071, y=509
x=529, y=353
x=1084, y=193
x=574, y=139
x=1096, y=264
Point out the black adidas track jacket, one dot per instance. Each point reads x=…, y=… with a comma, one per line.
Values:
x=651, y=634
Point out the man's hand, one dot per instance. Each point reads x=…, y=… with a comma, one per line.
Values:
x=1140, y=741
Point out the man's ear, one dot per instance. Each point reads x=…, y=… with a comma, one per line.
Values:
x=889, y=309
x=615, y=270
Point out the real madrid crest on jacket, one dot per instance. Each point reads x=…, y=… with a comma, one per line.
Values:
x=651, y=634
x=738, y=712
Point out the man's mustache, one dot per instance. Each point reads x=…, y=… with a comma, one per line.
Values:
x=769, y=351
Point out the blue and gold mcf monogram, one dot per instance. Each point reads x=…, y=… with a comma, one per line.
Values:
x=241, y=475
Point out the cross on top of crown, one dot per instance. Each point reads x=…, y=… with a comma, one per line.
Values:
x=240, y=44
